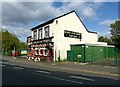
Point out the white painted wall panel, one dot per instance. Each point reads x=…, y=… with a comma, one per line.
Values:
x=72, y=23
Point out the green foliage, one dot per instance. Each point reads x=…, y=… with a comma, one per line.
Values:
x=105, y=39
x=115, y=31
x=9, y=41
x=64, y=60
x=22, y=46
x=101, y=39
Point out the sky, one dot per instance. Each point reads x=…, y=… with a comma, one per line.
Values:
x=19, y=17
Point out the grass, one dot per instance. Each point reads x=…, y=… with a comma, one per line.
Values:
x=104, y=62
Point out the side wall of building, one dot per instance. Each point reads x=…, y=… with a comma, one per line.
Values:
x=69, y=22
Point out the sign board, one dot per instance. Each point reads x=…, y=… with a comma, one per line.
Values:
x=79, y=56
x=72, y=34
x=23, y=51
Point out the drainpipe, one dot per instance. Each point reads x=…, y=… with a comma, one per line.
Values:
x=59, y=56
x=84, y=53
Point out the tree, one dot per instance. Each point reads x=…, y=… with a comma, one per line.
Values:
x=115, y=31
x=101, y=39
x=22, y=46
x=9, y=41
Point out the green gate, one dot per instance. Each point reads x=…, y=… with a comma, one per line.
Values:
x=89, y=53
x=78, y=53
x=69, y=58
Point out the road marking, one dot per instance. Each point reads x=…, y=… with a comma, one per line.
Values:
x=53, y=64
x=77, y=77
x=17, y=68
x=2, y=65
x=67, y=80
x=73, y=69
x=44, y=72
x=5, y=63
x=60, y=79
x=109, y=67
x=2, y=62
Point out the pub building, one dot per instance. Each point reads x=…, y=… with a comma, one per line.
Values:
x=52, y=39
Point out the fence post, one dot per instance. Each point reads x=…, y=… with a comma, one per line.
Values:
x=59, y=56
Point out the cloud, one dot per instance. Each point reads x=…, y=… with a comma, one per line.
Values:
x=106, y=22
x=18, y=16
x=25, y=12
x=85, y=9
x=21, y=16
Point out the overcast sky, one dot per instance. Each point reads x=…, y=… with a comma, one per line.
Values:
x=20, y=17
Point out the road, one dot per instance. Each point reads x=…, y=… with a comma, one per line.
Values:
x=13, y=74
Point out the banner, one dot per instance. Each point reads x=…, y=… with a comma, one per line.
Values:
x=23, y=51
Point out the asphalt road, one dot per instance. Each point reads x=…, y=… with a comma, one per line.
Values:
x=19, y=75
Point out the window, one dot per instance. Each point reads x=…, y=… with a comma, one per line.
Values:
x=37, y=51
x=29, y=39
x=46, y=30
x=41, y=51
x=35, y=35
x=40, y=33
x=45, y=52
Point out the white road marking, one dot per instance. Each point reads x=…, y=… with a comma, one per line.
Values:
x=53, y=64
x=2, y=62
x=44, y=72
x=17, y=68
x=60, y=79
x=77, y=77
x=109, y=67
x=2, y=65
x=67, y=80
x=5, y=63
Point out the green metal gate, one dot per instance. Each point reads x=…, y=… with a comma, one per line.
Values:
x=90, y=52
x=78, y=53
x=69, y=58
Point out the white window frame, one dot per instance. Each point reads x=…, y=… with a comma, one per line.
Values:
x=36, y=51
x=35, y=34
x=46, y=31
x=46, y=52
x=40, y=51
x=40, y=34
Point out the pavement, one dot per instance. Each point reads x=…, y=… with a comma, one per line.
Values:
x=68, y=67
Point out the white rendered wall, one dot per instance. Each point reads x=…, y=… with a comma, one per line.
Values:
x=72, y=23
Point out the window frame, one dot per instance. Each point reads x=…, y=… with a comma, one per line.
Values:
x=40, y=34
x=45, y=53
x=46, y=32
x=35, y=35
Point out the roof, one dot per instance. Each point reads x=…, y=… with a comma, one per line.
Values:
x=52, y=20
x=29, y=36
x=92, y=44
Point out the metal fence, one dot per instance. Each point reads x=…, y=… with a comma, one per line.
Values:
x=117, y=57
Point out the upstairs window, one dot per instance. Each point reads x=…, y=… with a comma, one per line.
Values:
x=40, y=33
x=46, y=30
x=35, y=34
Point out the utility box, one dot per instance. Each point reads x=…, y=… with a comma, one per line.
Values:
x=90, y=52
